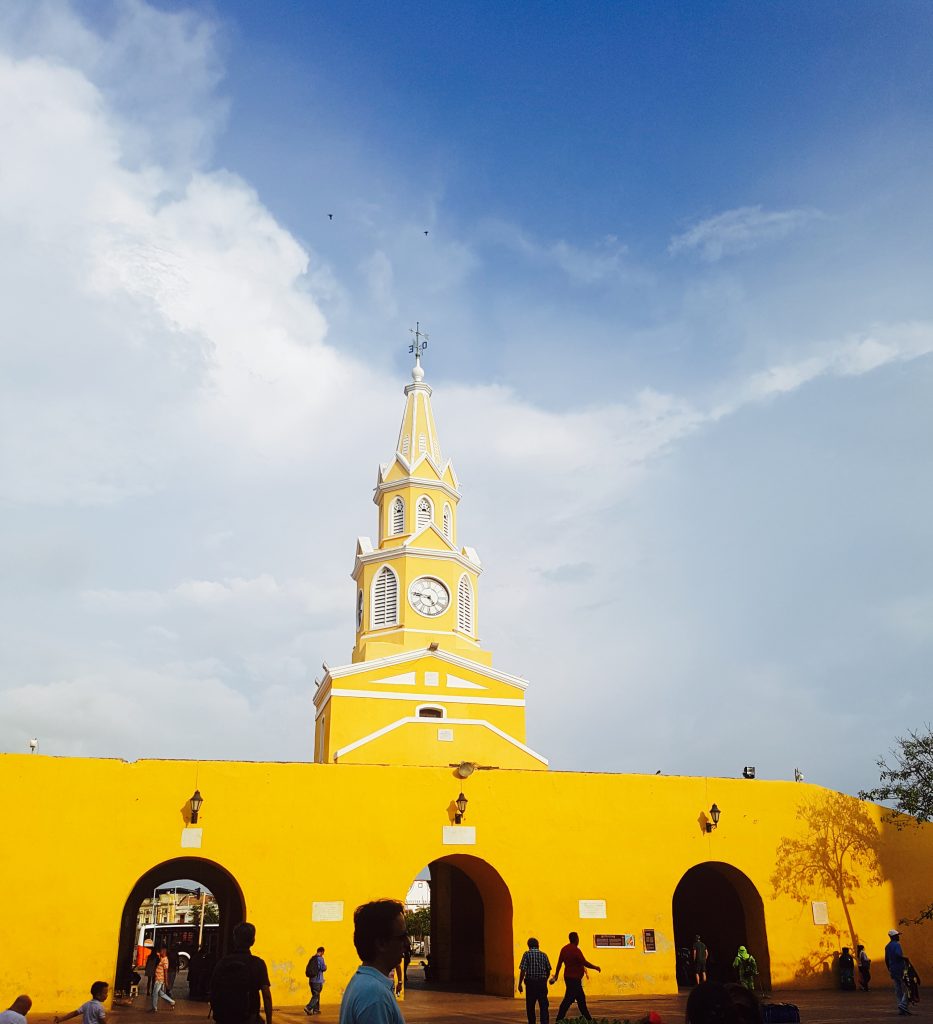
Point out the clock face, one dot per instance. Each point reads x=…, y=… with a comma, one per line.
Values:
x=428, y=596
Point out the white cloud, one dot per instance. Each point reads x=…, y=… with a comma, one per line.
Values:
x=187, y=446
x=739, y=230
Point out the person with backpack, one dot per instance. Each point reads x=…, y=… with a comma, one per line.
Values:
x=314, y=972
x=238, y=982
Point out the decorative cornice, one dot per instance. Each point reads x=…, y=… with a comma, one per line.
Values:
x=390, y=554
x=391, y=660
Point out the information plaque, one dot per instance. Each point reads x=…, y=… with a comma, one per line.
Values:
x=614, y=941
x=649, y=942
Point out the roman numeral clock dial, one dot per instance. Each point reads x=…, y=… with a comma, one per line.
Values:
x=428, y=596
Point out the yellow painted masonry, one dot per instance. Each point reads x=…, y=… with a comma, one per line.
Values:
x=296, y=835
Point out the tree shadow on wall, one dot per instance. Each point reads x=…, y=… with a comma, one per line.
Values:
x=836, y=851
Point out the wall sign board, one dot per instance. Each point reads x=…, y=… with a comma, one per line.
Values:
x=614, y=941
x=649, y=943
x=593, y=908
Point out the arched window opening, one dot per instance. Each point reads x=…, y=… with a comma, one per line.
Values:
x=465, y=605
x=425, y=512
x=385, y=599
x=448, y=523
x=398, y=517
x=430, y=711
x=359, y=610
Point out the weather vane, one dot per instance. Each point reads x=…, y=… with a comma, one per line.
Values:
x=419, y=344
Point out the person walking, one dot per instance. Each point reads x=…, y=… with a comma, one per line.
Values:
x=575, y=964
x=160, y=981
x=894, y=961
x=747, y=969
x=864, y=968
x=151, y=962
x=380, y=937
x=533, y=971
x=16, y=1014
x=93, y=1011
x=315, y=975
x=698, y=955
x=239, y=980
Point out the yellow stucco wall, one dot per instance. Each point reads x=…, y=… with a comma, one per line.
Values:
x=292, y=834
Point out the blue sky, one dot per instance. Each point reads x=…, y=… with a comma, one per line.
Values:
x=677, y=279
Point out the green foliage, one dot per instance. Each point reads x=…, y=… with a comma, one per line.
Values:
x=418, y=922
x=211, y=913
x=907, y=782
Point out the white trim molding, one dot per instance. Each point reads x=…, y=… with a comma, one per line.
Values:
x=433, y=722
x=501, y=702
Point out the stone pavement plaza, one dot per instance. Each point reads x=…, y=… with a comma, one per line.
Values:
x=816, y=1007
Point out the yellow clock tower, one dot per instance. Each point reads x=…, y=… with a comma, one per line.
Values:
x=419, y=688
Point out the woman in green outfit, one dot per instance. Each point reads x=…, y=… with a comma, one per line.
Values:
x=745, y=964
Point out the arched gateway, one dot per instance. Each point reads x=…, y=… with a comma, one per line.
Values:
x=720, y=903
x=222, y=885
x=471, y=926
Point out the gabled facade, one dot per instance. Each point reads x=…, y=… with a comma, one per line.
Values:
x=419, y=689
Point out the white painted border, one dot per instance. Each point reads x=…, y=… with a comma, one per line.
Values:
x=433, y=721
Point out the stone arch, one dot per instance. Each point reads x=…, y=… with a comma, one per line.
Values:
x=471, y=926
x=720, y=903
x=213, y=876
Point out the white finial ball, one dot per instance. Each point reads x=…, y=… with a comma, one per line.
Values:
x=417, y=374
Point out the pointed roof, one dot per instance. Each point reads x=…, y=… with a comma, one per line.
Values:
x=417, y=435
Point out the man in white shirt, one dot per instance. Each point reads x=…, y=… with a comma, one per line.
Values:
x=381, y=939
x=17, y=1012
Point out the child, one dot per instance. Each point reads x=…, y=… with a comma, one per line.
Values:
x=91, y=1012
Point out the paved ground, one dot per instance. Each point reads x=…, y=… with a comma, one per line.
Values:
x=455, y=1008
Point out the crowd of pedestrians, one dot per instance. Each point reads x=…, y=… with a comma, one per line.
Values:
x=240, y=991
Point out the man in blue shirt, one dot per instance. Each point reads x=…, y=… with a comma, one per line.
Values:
x=894, y=961
x=381, y=939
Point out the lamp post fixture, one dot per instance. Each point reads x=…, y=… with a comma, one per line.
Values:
x=196, y=801
x=461, y=808
x=714, y=813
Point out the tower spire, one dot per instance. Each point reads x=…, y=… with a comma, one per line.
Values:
x=417, y=347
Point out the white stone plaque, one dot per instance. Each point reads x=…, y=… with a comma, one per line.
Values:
x=460, y=835
x=820, y=912
x=327, y=910
x=445, y=735
x=593, y=908
x=191, y=838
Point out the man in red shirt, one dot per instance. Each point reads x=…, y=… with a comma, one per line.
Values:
x=575, y=964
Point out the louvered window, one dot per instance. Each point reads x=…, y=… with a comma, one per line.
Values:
x=385, y=599
x=406, y=445
x=398, y=516
x=448, y=523
x=422, y=444
x=465, y=605
x=437, y=452
x=425, y=512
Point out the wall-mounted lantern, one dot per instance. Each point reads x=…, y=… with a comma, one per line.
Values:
x=196, y=801
x=714, y=813
x=461, y=809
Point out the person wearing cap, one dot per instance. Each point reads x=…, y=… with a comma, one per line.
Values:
x=894, y=961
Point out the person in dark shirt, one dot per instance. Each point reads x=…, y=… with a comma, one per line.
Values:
x=575, y=964
x=238, y=982
x=894, y=961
